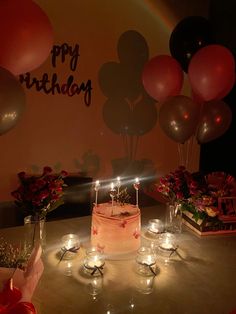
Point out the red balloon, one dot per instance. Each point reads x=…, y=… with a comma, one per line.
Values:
x=212, y=72
x=26, y=36
x=162, y=77
x=214, y=121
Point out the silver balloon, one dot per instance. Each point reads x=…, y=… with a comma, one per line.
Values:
x=12, y=101
x=179, y=117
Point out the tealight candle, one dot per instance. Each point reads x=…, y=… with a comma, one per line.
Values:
x=94, y=261
x=70, y=244
x=145, y=259
x=167, y=241
x=155, y=226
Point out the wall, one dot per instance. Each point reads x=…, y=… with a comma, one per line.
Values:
x=63, y=132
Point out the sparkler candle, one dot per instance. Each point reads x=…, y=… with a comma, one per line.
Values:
x=136, y=187
x=96, y=188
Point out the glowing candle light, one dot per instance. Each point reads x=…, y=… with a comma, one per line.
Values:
x=118, y=186
x=167, y=241
x=136, y=187
x=96, y=188
x=112, y=193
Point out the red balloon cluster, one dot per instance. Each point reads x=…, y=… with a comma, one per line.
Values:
x=211, y=71
x=26, y=39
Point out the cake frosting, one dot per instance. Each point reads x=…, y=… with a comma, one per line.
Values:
x=116, y=229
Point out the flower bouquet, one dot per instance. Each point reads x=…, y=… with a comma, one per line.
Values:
x=208, y=202
x=37, y=195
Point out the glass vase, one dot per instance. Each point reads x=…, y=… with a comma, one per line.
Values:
x=35, y=232
x=173, y=218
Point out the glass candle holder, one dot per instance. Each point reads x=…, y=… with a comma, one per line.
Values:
x=94, y=262
x=155, y=226
x=167, y=242
x=70, y=245
x=146, y=261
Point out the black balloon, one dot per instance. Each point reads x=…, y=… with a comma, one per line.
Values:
x=190, y=34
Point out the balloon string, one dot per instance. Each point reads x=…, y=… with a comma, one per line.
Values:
x=131, y=147
x=124, y=138
x=136, y=146
x=180, y=153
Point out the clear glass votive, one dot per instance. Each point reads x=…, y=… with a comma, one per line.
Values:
x=146, y=261
x=94, y=262
x=167, y=242
x=70, y=245
x=155, y=226
x=144, y=285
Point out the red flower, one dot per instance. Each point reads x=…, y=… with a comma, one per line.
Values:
x=47, y=170
x=21, y=175
x=64, y=173
x=38, y=192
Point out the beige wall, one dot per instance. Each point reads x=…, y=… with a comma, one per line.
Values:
x=60, y=131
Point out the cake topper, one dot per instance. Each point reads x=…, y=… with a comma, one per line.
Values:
x=123, y=197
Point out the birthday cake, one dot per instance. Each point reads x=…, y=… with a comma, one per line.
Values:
x=116, y=228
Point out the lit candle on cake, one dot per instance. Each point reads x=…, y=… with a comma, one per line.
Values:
x=136, y=186
x=96, y=188
x=112, y=193
x=118, y=186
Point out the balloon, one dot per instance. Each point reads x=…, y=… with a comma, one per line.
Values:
x=26, y=36
x=178, y=118
x=215, y=119
x=117, y=115
x=111, y=80
x=12, y=101
x=189, y=35
x=144, y=116
x=211, y=72
x=132, y=49
x=162, y=77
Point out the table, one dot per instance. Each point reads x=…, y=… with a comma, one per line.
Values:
x=200, y=279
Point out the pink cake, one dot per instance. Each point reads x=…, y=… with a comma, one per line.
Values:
x=116, y=229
